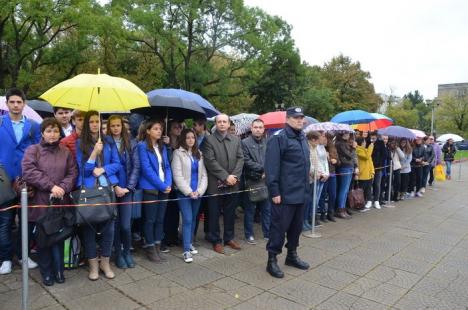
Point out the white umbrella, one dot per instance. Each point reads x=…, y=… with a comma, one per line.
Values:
x=454, y=137
x=243, y=122
x=418, y=133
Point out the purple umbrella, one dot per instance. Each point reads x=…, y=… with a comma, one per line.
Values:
x=28, y=111
x=397, y=132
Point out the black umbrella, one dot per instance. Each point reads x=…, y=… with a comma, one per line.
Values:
x=43, y=108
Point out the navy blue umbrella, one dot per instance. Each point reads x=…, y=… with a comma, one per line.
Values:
x=353, y=117
x=170, y=97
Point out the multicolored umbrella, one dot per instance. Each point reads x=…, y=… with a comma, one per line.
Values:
x=28, y=111
x=329, y=126
x=243, y=122
x=353, y=117
x=381, y=121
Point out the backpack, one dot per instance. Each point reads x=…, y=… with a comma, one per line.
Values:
x=72, y=252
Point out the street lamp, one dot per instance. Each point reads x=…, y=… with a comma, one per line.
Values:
x=433, y=104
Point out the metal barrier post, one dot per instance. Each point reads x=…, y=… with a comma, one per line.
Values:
x=312, y=233
x=390, y=181
x=460, y=170
x=24, y=249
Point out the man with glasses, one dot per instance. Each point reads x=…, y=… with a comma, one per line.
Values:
x=16, y=133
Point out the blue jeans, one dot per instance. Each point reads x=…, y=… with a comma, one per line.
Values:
x=106, y=231
x=249, y=213
x=189, y=209
x=426, y=170
x=50, y=260
x=153, y=218
x=308, y=210
x=6, y=239
x=344, y=181
x=329, y=188
x=448, y=168
x=123, y=231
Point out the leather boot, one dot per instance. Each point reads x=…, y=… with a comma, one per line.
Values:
x=159, y=253
x=151, y=254
x=294, y=261
x=323, y=217
x=330, y=217
x=93, y=269
x=105, y=267
x=272, y=266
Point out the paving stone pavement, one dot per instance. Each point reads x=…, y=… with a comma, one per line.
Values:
x=414, y=256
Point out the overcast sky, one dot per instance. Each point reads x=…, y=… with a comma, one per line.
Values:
x=404, y=44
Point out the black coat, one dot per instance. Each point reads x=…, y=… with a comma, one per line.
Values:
x=449, y=151
x=254, y=157
x=287, y=166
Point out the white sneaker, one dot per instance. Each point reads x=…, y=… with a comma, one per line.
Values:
x=193, y=251
x=377, y=205
x=188, y=257
x=422, y=190
x=31, y=264
x=368, y=205
x=6, y=267
x=419, y=194
x=251, y=240
x=411, y=195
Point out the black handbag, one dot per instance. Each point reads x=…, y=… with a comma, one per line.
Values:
x=54, y=226
x=7, y=193
x=257, y=190
x=94, y=203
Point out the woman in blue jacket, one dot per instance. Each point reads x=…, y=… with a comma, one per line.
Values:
x=98, y=162
x=155, y=181
x=128, y=180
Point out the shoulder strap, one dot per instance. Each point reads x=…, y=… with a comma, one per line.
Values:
x=1, y=120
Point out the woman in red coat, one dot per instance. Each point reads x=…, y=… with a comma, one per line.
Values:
x=51, y=169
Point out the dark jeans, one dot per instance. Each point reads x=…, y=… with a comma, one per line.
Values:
x=426, y=170
x=189, y=210
x=50, y=260
x=285, y=220
x=431, y=175
x=344, y=181
x=404, y=182
x=123, y=225
x=31, y=225
x=228, y=204
x=416, y=178
x=106, y=234
x=396, y=184
x=6, y=238
x=384, y=186
x=376, y=185
x=366, y=186
x=328, y=190
x=171, y=221
x=153, y=218
x=249, y=213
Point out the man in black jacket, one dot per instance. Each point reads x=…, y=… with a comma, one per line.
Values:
x=287, y=167
x=379, y=154
x=254, y=148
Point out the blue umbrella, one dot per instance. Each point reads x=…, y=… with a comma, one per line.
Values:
x=159, y=96
x=353, y=117
x=310, y=120
x=397, y=132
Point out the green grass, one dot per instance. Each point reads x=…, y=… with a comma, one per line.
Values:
x=461, y=154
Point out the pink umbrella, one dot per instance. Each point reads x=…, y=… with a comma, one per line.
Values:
x=418, y=133
x=28, y=111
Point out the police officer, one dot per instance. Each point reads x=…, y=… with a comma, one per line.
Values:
x=287, y=168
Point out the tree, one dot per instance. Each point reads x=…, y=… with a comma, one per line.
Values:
x=404, y=114
x=452, y=115
x=416, y=102
x=350, y=85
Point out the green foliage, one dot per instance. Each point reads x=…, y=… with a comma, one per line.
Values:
x=452, y=115
x=404, y=114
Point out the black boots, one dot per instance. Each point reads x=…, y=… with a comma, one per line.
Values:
x=294, y=261
x=272, y=266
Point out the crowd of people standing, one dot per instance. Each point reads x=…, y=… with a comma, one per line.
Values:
x=189, y=173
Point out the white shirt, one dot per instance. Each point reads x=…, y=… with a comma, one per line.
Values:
x=67, y=131
x=160, y=163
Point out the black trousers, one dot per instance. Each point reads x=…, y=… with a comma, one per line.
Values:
x=404, y=182
x=396, y=184
x=286, y=221
x=416, y=178
x=203, y=209
x=171, y=221
x=228, y=204
x=366, y=186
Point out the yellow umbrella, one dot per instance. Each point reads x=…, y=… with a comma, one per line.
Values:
x=100, y=92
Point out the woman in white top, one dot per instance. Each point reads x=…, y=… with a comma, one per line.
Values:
x=191, y=181
x=397, y=157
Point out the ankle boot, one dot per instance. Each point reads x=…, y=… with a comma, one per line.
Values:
x=93, y=269
x=105, y=267
x=159, y=253
x=294, y=261
x=323, y=217
x=272, y=266
x=330, y=217
x=152, y=255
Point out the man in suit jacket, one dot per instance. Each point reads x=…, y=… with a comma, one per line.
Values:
x=224, y=161
x=16, y=134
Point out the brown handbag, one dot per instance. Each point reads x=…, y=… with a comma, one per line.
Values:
x=356, y=198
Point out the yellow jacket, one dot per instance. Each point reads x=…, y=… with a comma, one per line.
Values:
x=365, y=164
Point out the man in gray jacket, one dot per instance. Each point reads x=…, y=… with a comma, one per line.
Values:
x=254, y=148
x=224, y=161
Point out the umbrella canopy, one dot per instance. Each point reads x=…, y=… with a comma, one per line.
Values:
x=454, y=137
x=418, y=133
x=40, y=106
x=397, y=132
x=243, y=122
x=328, y=126
x=353, y=117
x=381, y=121
x=28, y=112
x=100, y=92
x=162, y=97
x=310, y=120
x=275, y=119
